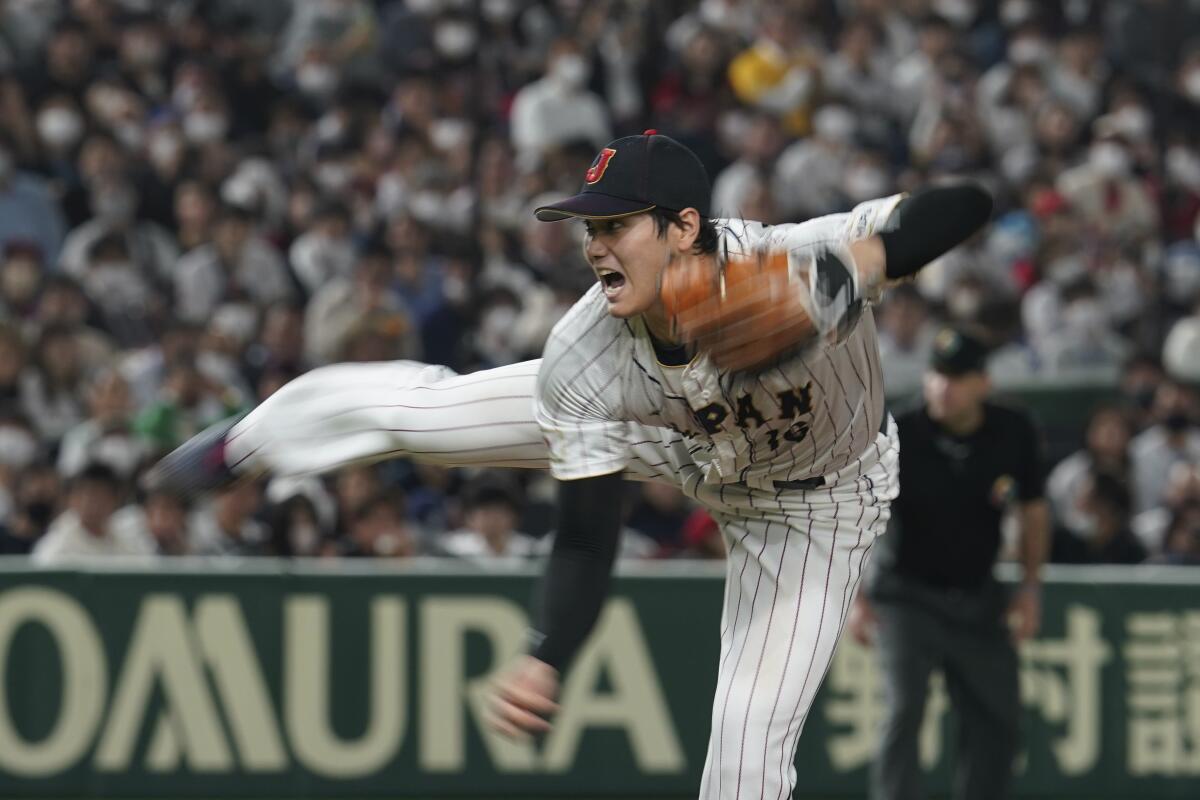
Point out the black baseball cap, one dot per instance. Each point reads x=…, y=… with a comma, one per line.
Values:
x=956, y=352
x=635, y=174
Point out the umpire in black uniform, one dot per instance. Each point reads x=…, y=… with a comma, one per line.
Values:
x=931, y=600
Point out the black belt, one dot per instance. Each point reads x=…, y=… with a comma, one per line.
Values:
x=808, y=484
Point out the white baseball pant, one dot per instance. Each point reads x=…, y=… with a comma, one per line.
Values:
x=795, y=557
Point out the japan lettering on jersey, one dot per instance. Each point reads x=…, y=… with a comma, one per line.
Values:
x=809, y=415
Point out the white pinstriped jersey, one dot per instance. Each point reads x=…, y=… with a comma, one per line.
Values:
x=811, y=415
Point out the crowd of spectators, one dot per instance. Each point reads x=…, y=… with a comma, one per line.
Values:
x=201, y=199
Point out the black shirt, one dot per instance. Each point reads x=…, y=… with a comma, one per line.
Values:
x=954, y=490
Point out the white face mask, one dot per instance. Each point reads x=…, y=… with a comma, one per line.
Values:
x=427, y=205
x=1191, y=84
x=1109, y=159
x=164, y=148
x=834, y=123
x=499, y=10
x=17, y=447
x=1183, y=167
x=304, y=538
x=571, y=71
x=333, y=177
x=1064, y=270
x=318, y=80
x=865, y=183
x=205, y=127
x=1014, y=12
x=59, y=127
x=716, y=13
x=1028, y=51
x=959, y=12
x=449, y=133
x=1084, y=315
x=455, y=40
x=1134, y=121
x=424, y=7
x=337, y=255
x=115, y=205
x=964, y=303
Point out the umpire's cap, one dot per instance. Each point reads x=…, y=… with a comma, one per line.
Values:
x=635, y=174
x=957, y=352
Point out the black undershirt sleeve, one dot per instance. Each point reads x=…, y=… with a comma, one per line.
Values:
x=932, y=221
x=579, y=571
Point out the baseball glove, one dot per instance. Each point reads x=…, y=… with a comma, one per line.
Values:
x=752, y=310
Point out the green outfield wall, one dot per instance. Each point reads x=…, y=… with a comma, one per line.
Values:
x=270, y=679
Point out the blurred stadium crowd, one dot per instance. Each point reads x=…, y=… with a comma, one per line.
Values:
x=200, y=199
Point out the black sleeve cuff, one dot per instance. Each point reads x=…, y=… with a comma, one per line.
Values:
x=931, y=222
x=578, y=575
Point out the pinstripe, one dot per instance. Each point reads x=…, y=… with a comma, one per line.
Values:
x=787, y=660
x=738, y=662
x=761, y=653
x=816, y=643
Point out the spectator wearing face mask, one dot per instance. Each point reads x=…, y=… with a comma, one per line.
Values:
x=239, y=265
x=227, y=526
x=1104, y=535
x=106, y=436
x=1181, y=541
x=1182, y=493
x=1106, y=193
x=379, y=529
x=129, y=304
x=810, y=177
x=489, y=532
x=1141, y=375
x=905, y=340
x=325, y=250
x=35, y=500
x=759, y=148
x=343, y=301
x=19, y=449
x=52, y=389
x=60, y=128
x=1105, y=450
x=150, y=248
x=28, y=212
x=142, y=54
x=1086, y=344
x=295, y=529
x=858, y=74
x=558, y=108
x=326, y=41
x=1172, y=440
x=86, y=530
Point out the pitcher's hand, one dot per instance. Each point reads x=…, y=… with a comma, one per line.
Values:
x=523, y=698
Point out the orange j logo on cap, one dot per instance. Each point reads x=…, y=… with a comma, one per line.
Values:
x=596, y=171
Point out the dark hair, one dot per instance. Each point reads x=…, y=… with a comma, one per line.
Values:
x=492, y=492
x=387, y=499
x=98, y=474
x=707, y=239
